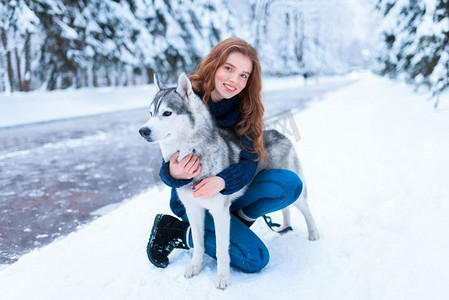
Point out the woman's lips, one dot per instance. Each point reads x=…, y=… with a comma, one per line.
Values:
x=229, y=88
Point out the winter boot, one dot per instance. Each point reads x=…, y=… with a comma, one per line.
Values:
x=167, y=234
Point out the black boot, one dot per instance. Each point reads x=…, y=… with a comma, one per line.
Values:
x=168, y=233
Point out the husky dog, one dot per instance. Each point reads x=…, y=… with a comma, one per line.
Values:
x=180, y=121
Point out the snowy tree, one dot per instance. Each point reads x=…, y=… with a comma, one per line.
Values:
x=17, y=25
x=416, y=33
x=106, y=42
x=183, y=32
x=55, y=68
x=301, y=36
x=54, y=44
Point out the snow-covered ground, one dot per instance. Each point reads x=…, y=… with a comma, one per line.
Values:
x=42, y=106
x=375, y=158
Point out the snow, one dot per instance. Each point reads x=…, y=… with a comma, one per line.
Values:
x=375, y=160
x=42, y=106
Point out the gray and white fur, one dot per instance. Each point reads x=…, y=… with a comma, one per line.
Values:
x=180, y=121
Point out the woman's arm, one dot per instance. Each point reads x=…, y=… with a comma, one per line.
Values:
x=231, y=179
x=176, y=174
x=237, y=175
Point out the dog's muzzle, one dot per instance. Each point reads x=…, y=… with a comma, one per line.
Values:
x=145, y=132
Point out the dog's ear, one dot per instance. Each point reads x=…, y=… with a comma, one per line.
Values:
x=157, y=82
x=184, y=87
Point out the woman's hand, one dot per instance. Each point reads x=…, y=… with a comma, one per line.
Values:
x=208, y=187
x=187, y=168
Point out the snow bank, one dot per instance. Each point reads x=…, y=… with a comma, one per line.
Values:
x=375, y=157
x=43, y=106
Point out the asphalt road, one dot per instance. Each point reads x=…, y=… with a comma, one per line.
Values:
x=55, y=175
x=58, y=175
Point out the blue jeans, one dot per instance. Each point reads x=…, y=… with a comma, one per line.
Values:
x=270, y=190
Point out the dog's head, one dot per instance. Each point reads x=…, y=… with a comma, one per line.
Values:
x=171, y=115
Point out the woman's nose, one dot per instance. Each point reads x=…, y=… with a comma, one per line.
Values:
x=233, y=77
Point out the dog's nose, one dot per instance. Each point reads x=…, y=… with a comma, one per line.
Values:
x=145, y=132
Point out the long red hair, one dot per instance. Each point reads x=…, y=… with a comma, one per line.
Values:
x=250, y=124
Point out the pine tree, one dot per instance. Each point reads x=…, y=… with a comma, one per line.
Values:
x=416, y=34
x=17, y=25
x=106, y=42
x=295, y=37
x=110, y=42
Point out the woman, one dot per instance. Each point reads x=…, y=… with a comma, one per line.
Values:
x=229, y=81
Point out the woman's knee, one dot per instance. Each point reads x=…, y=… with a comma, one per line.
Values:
x=293, y=183
x=253, y=261
x=247, y=251
x=287, y=182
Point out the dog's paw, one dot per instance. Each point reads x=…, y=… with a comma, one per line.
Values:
x=223, y=281
x=192, y=270
x=314, y=236
x=284, y=229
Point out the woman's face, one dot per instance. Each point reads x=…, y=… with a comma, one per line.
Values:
x=232, y=76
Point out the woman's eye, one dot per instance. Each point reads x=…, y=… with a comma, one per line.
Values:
x=244, y=76
x=228, y=69
x=167, y=113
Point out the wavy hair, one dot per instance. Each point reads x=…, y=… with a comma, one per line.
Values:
x=250, y=124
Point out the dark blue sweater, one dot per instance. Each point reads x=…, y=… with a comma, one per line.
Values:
x=236, y=176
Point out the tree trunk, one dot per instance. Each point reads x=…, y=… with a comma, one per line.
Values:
x=18, y=69
x=94, y=78
x=150, y=75
x=8, y=60
x=27, y=80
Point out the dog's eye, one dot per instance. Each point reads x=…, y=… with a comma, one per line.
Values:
x=166, y=113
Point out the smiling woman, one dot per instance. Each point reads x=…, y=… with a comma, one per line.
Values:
x=234, y=64
x=232, y=76
x=229, y=82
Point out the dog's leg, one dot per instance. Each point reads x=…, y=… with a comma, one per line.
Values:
x=294, y=164
x=196, y=217
x=301, y=203
x=222, y=221
x=286, y=219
